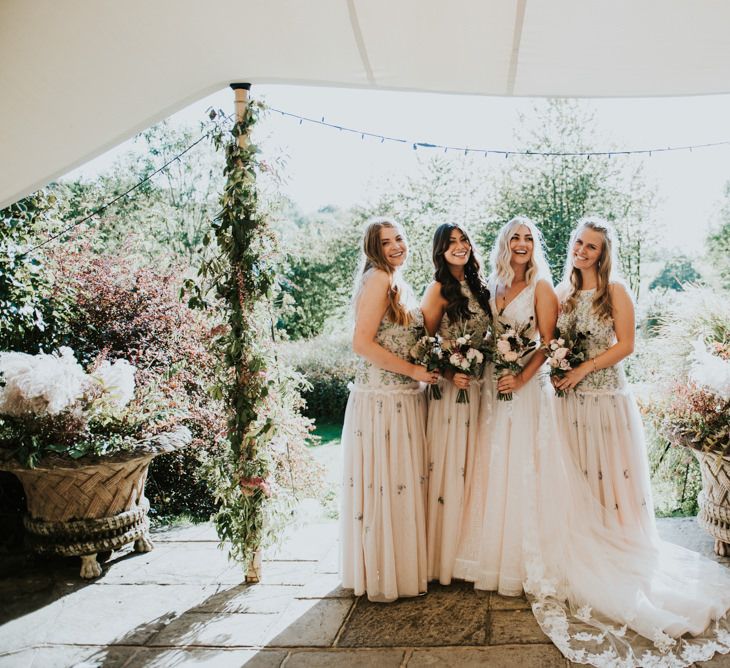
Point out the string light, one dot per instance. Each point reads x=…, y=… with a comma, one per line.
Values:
x=486, y=151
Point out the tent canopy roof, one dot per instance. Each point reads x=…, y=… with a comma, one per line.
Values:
x=81, y=76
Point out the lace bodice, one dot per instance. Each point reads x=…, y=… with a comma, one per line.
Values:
x=398, y=340
x=477, y=324
x=602, y=336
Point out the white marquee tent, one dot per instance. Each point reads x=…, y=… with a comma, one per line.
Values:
x=79, y=76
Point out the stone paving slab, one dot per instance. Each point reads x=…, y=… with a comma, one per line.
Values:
x=508, y=627
x=453, y=615
x=185, y=604
x=350, y=658
x=506, y=656
x=309, y=622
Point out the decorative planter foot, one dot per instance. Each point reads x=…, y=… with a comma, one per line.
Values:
x=144, y=544
x=722, y=549
x=253, y=574
x=90, y=566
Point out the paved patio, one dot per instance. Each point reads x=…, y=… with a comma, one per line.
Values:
x=184, y=604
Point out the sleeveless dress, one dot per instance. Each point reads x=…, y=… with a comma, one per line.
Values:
x=603, y=427
x=451, y=436
x=490, y=544
x=383, y=494
x=610, y=594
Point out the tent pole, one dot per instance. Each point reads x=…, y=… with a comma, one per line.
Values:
x=240, y=91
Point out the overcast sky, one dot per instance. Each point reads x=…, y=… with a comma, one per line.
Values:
x=326, y=166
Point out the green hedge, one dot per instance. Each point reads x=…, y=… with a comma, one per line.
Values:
x=328, y=363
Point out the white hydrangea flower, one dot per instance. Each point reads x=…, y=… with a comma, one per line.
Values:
x=117, y=381
x=710, y=371
x=41, y=384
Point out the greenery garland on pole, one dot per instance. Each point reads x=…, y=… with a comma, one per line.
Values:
x=262, y=397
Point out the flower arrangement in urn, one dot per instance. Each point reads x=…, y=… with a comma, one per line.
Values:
x=81, y=442
x=694, y=409
x=50, y=406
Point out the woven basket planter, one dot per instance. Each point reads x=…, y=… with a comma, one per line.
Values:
x=90, y=505
x=714, y=499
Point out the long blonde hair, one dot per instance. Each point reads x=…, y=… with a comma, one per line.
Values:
x=605, y=269
x=501, y=255
x=374, y=258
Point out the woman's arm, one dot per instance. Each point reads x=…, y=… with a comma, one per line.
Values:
x=433, y=306
x=622, y=312
x=371, y=307
x=546, y=313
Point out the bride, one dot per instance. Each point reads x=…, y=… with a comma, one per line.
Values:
x=606, y=590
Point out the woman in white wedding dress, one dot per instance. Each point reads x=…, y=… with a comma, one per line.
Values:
x=491, y=540
x=383, y=494
x=457, y=302
x=605, y=590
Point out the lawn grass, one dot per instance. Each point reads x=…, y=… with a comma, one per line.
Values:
x=328, y=432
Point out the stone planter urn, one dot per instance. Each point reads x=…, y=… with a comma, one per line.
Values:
x=714, y=499
x=93, y=504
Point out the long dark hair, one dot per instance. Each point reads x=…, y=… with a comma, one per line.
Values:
x=457, y=304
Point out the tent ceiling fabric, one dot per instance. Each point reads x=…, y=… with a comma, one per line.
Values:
x=80, y=76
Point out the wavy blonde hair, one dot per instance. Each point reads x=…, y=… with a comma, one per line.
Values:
x=374, y=258
x=501, y=255
x=605, y=268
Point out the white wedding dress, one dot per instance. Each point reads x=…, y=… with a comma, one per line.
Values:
x=607, y=594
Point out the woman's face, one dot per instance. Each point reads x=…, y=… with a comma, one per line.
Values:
x=394, y=246
x=459, y=250
x=587, y=248
x=521, y=245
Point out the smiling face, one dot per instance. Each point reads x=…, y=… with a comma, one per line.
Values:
x=587, y=248
x=393, y=246
x=521, y=245
x=458, y=251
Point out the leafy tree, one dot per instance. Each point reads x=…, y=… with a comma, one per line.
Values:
x=32, y=306
x=556, y=191
x=166, y=218
x=717, y=245
x=677, y=272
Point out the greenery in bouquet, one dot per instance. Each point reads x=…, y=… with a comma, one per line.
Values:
x=428, y=352
x=511, y=345
x=462, y=357
x=565, y=352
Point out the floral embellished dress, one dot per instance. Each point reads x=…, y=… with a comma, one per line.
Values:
x=451, y=436
x=603, y=427
x=383, y=499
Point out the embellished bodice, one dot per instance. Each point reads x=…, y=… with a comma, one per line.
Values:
x=602, y=336
x=477, y=324
x=397, y=339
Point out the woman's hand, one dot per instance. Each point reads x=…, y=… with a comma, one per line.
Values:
x=573, y=377
x=461, y=380
x=510, y=383
x=420, y=374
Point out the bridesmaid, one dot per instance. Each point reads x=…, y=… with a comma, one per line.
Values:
x=600, y=419
x=382, y=519
x=456, y=302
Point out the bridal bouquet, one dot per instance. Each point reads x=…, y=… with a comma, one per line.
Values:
x=512, y=344
x=428, y=352
x=565, y=352
x=463, y=358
